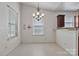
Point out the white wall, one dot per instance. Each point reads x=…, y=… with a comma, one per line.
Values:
x=50, y=26
x=8, y=45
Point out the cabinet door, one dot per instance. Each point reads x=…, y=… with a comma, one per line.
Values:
x=76, y=21
x=60, y=21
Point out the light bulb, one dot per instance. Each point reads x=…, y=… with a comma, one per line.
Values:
x=33, y=14
x=37, y=13
x=42, y=14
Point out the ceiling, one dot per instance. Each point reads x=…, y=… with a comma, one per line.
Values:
x=55, y=6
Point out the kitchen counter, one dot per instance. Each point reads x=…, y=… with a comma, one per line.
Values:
x=68, y=28
x=67, y=38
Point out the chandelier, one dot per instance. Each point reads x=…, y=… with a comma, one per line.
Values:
x=38, y=16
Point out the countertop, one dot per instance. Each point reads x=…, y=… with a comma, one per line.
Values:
x=71, y=28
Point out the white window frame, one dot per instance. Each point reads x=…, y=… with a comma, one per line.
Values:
x=69, y=21
x=12, y=33
x=38, y=27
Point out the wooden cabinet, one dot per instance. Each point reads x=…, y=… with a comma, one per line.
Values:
x=76, y=21
x=60, y=20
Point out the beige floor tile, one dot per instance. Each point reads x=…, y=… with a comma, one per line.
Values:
x=38, y=50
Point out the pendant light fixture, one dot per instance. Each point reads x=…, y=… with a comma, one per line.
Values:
x=38, y=16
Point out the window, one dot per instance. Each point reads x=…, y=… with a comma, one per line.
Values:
x=69, y=21
x=12, y=17
x=38, y=27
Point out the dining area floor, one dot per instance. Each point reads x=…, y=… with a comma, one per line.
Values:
x=44, y=49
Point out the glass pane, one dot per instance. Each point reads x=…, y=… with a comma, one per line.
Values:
x=13, y=34
x=38, y=30
x=38, y=27
x=69, y=21
x=35, y=22
x=12, y=22
x=13, y=28
x=12, y=16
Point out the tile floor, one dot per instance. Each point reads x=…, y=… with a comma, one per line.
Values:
x=51, y=49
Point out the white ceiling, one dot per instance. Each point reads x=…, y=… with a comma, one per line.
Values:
x=55, y=6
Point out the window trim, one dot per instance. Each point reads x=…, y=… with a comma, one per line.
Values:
x=38, y=25
x=10, y=24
